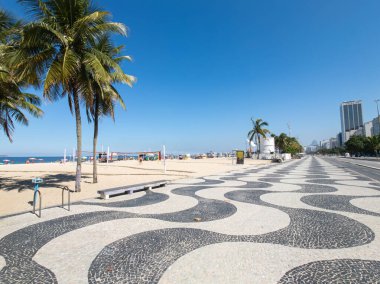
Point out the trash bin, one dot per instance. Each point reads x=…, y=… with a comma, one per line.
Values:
x=240, y=157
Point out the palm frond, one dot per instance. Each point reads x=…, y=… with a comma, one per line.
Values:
x=70, y=65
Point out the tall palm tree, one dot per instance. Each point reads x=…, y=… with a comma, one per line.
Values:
x=13, y=101
x=256, y=132
x=104, y=94
x=59, y=45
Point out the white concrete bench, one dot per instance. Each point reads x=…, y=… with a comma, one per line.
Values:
x=106, y=193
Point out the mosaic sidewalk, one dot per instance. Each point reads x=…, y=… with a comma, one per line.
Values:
x=306, y=221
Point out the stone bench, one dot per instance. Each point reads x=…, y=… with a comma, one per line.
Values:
x=106, y=193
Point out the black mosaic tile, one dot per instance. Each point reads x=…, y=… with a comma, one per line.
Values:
x=283, y=172
x=322, y=181
x=315, y=188
x=335, y=271
x=255, y=184
x=211, y=181
x=233, y=178
x=317, y=172
x=144, y=257
x=205, y=210
x=274, y=175
x=317, y=176
x=337, y=203
x=362, y=178
x=375, y=184
x=18, y=248
x=309, y=228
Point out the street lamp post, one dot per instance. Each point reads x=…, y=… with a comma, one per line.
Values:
x=378, y=116
x=378, y=120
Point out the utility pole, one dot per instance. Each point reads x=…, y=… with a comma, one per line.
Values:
x=290, y=134
x=378, y=116
x=164, y=150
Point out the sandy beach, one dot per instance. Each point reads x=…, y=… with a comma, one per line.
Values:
x=16, y=188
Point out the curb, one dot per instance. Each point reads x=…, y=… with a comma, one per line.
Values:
x=364, y=166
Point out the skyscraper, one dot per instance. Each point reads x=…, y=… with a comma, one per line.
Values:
x=351, y=117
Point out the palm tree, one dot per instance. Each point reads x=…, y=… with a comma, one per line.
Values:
x=59, y=45
x=287, y=144
x=6, y=23
x=13, y=101
x=105, y=94
x=256, y=132
x=281, y=141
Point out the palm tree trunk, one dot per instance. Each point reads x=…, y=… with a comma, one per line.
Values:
x=257, y=147
x=96, y=121
x=79, y=141
x=250, y=147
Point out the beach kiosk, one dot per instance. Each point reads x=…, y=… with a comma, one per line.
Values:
x=239, y=157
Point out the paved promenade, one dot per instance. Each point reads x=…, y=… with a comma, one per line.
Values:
x=306, y=221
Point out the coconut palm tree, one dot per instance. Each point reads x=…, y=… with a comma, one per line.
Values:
x=6, y=23
x=59, y=44
x=104, y=94
x=13, y=101
x=256, y=132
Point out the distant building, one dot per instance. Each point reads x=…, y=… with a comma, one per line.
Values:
x=333, y=143
x=375, y=126
x=339, y=139
x=328, y=144
x=325, y=144
x=368, y=129
x=311, y=149
x=314, y=143
x=351, y=117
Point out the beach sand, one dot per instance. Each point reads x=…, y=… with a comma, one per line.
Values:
x=16, y=188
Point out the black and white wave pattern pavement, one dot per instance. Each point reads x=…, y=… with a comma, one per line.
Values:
x=306, y=221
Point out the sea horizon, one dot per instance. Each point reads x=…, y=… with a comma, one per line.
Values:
x=23, y=159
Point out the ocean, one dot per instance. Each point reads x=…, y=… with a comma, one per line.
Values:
x=50, y=159
x=22, y=160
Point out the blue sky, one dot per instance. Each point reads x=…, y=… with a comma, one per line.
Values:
x=205, y=68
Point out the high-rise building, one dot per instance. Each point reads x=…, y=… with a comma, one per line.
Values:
x=376, y=126
x=333, y=143
x=351, y=117
x=339, y=139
